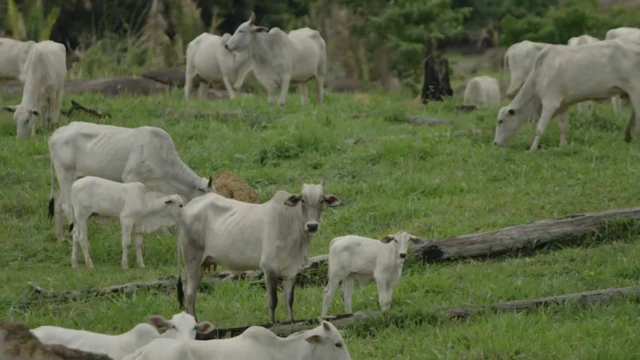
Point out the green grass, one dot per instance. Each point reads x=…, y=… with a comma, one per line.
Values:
x=431, y=183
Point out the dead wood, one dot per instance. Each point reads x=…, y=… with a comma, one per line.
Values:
x=466, y=108
x=583, y=298
x=76, y=106
x=525, y=236
x=436, y=84
x=427, y=121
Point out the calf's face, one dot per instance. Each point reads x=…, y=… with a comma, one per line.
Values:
x=402, y=240
x=25, y=119
x=241, y=39
x=327, y=342
x=173, y=204
x=182, y=326
x=311, y=201
x=507, y=126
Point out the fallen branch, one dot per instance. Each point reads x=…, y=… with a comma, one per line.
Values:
x=583, y=298
x=76, y=106
x=528, y=236
x=466, y=108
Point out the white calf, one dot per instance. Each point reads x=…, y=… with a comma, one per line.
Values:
x=359, y=258
x=256, y=343
x=139, y=209
x=182, y=326
x=482, y=90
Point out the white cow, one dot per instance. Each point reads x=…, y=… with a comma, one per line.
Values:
x=13, y=55
x=256, y=343
x=145, y=154
x=577, y=41
x=563, y=76
x=208, y=58
x=182, y=327
x=273, y=237
x=279, y=58
x=616, y=101
x=359, y=258
x=139, y=210
x=482, y=90
x=43, y=76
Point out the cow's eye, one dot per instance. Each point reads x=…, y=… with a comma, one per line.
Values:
x=339, y=345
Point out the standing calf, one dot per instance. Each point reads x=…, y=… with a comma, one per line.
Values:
x=182, y=326
x=273, y=237
x=359, y=258
x=139, y=209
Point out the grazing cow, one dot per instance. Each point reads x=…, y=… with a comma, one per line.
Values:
x=256, y=343
x=145, y=154
x=43, y=76
x=279, y=58
x=359, y=258
x=616, y=101
x=577, y=41
x=273, y=237
x=13, y=55
x=207, y=58
x=482, y=90
x=563, y=76
x=139, y=210
x=182, y=326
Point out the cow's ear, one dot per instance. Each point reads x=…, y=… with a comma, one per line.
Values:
x=387, y=239
x=260, y=29
x=414, y=239
x=315, y=339
x=9, y=108
x=511, y=112
x=332, y=200
x=204, y=327
x=170, y=201
x=159, y=321
x=293, y=200
x=210, y=183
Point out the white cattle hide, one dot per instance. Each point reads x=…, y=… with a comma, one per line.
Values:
x=139, y=210
x=145, y=154
x=364, y=259
x=563, y=76
x=577, y=41
x=208, y=59
x=182, y=326
x=43, y=76
x=482, y=90
x=13, y=55
x=279, y=58
x=273, y=237
x=256, y=343
x=616, y=33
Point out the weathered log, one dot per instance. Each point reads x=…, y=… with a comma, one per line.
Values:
x=583, y=298
x=436, y=84
x=77, y=106
x=528, y=236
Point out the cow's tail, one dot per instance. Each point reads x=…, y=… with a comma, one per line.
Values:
x=179, y=289
x=52, y=200
x=505, y=68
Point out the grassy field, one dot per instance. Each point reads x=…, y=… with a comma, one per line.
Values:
x=429, y=182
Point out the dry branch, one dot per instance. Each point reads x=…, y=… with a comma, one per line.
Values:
x=77, y=106
x=526, y=236
x=583, y=298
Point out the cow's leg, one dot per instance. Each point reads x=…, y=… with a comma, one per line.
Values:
x=304, y=93
x=139, y=260
x=563, y=123
x=194, y=271
x=284, y=89
x=320, y=87
x=127, y=227
x=627, y=129
x=547, y=112
x=202, y=90
x=384, y=294
x=271, y=284
x=65, y=181
x=57, y=217
x=227, y=84
x=288, y=287
x=347, y=293
x=55, y=108
x=75, y=245
x=84, y=242
x=329, y=293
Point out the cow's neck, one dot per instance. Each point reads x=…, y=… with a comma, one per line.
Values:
x=32, y=91
x=294, y=346
x=183, y=179
x=525, y=95
x=259, y=49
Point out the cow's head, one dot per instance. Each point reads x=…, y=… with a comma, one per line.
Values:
x=182, y=326
x=203, y=189
x=311, y=200
x=326, y=342
x=509, y=120
x=25, y=119
x=401, y=241
x=241, y=39
x=173, y=204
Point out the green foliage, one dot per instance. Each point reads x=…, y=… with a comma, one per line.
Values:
x=37, y=27
x=15, y=20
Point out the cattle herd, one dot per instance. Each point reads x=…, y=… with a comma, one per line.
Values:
x=136, y=176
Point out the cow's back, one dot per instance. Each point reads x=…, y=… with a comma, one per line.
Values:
x=206, y=55
x=521, y=57
x=13, y=55
x=309, y=52
x=47, y=63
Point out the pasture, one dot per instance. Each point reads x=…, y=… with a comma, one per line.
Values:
x=424, y=179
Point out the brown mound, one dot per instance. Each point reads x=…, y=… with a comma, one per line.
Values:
x=230, y=186
x=18, y=343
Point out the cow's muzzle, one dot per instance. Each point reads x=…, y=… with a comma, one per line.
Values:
x=311, y=227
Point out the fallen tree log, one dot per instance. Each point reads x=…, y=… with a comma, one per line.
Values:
x=519, y=237
x=582, y=298
x=77, y=106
